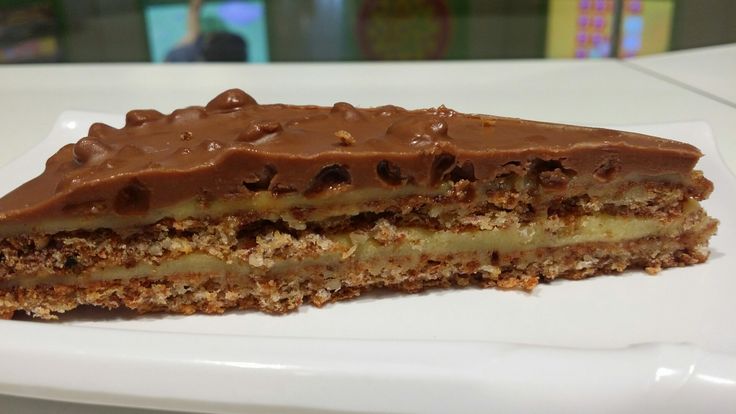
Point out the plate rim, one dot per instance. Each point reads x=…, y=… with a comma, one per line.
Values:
x=667, y=368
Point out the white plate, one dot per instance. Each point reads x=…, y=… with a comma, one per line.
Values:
x=634, y=342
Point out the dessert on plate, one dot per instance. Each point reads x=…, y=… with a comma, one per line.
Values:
x=253, y=206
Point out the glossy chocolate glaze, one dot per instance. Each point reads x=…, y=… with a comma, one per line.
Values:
x=234, y=146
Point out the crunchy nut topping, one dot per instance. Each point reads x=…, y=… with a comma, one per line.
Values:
x=346, y=139
x=488, y=122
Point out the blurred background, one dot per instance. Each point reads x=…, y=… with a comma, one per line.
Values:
x=348, y=30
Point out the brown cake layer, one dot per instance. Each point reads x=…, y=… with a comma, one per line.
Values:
x=234, y=148
x=240, y=265
x=318, y=285
x=73, y=252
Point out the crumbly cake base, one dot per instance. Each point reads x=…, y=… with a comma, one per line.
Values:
x=73, y=252
x=216, y=293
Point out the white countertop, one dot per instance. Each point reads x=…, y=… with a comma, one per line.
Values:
x=710, y=69
x=604, y=92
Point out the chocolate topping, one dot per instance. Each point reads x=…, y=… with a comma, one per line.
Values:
x=141, y=116
x=235, y=147
x=230, y=100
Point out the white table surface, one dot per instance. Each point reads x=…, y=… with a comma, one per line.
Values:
x=588, y=92
x=711, y=70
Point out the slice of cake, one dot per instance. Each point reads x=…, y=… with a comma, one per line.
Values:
x=249, y=206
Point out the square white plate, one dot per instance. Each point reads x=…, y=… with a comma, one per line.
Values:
x=636, y=342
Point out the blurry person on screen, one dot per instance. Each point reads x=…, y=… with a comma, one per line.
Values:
x=214, y=46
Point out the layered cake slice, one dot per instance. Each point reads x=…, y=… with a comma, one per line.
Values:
x=249, y=206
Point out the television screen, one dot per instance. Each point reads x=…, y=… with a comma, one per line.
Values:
x=166, y=25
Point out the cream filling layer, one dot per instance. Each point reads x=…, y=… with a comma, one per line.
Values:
x=411, y=244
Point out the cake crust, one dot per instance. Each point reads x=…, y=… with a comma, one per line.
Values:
x=215, y=293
